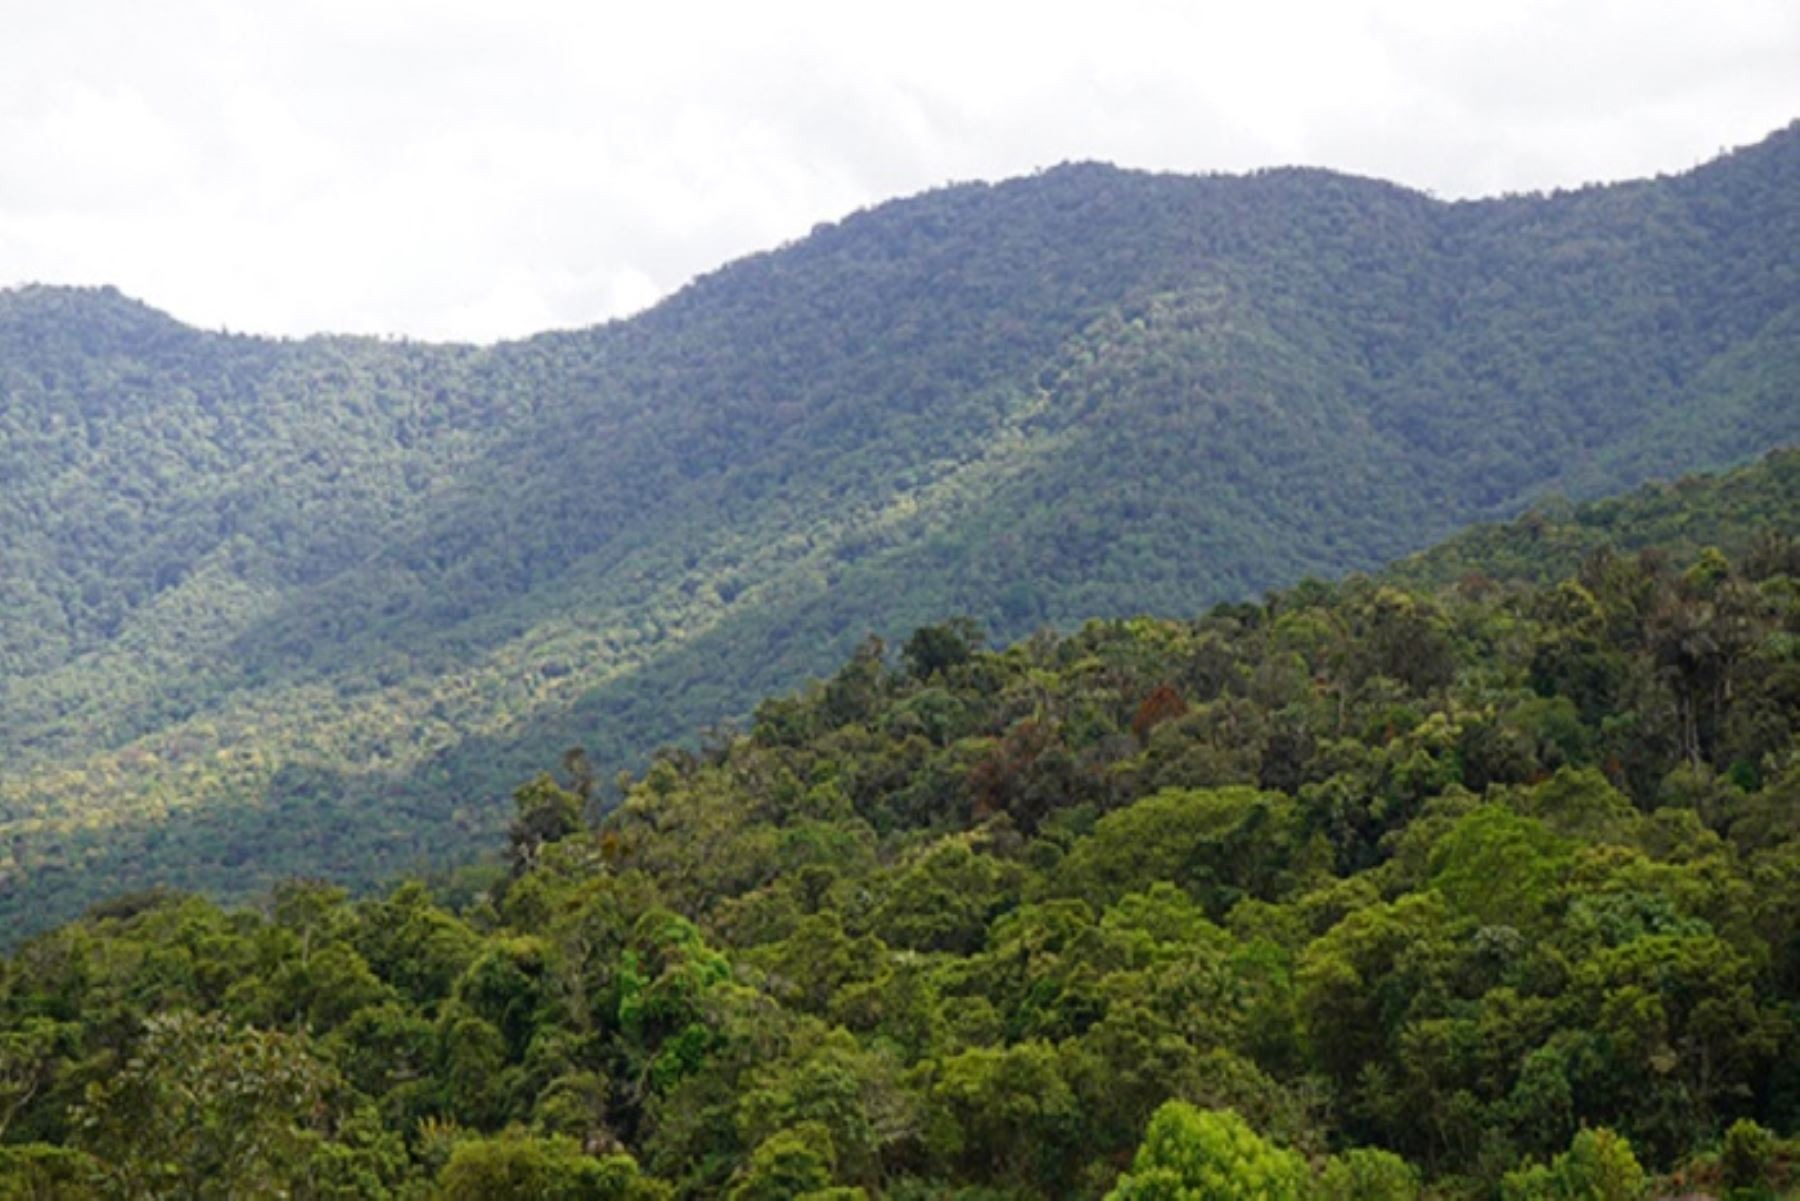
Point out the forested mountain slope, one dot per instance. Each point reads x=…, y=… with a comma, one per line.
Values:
x=308, y=606
x=1744, y=513
x=1360, y=892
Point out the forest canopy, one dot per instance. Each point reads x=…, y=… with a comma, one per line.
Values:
x=1364, y=890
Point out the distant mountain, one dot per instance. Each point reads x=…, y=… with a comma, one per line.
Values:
x=277, y=607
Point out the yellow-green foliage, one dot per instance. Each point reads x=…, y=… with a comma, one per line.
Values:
x=1193, y=1154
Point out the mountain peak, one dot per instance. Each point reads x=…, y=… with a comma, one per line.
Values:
x=99, y=319
x=66, y=298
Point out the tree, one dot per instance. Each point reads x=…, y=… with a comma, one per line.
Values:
x=1191, y=1154
x=515, y=1166
x=1367, y=976
x=1598, y=1166
x=544, y=812
x=1744, y=1158
x=1498, y=867
x=1011, y=1117
x=205, y=1110
x=29, y=1056
x=1368, y=1174
x=1219, y=844
x=42, y=1172
x=788, y=1164
x=932, y=649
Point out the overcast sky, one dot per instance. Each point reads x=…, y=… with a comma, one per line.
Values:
x=448, y=169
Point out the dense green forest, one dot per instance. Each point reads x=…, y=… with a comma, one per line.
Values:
x=1733, y=512
x=279, y=607
x=1365, y=891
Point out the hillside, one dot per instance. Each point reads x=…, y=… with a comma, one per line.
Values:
x=1741, y=512
x=277, y=607
x=1356, y=893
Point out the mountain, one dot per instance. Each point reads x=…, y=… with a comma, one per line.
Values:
x=279, y=607
x=1358, y=891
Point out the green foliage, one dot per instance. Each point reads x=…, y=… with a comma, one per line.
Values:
x=518, y=1167
x=1598, y=1166
x=544, y=813
x=790, y=1163
x=1007, y=1115
x=316, y=607
x=1233, y=906
x=1192, y=1154
x=1498, y=867
x=29, y=1057
x=945, y=900
x=37, y=1172
x=932, y=649
x=1745, y=513
x=1744, y=1159
x=1218, y=845
x=203, y=1111
x=1368, y=1174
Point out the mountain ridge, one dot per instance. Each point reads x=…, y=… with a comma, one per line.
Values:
x=260, y=565
x=1782, y=140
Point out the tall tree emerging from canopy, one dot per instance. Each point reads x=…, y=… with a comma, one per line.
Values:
x=1193, y=1154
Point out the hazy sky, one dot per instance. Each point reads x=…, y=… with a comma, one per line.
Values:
x=481, y=170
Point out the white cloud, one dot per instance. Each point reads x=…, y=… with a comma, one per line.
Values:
x=460, y=169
